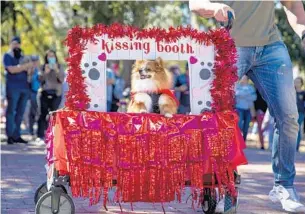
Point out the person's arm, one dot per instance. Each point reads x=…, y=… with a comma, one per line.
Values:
x=180, y=87
x=296, y=16
x=60, y=74
x=110, y=78
x=41, y=73
x=207, y=9
x=14, y=69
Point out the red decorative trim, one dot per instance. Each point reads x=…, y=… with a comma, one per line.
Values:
x=149, y=155
x=222, y=90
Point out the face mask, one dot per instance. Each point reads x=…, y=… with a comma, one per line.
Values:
x=17, y=52
x=52, y=60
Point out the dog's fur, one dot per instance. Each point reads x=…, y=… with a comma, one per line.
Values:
x=151, y=76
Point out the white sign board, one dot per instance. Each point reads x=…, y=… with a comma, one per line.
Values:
x=199, y=57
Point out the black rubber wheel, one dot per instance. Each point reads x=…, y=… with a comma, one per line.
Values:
x=231, y=203
x=209, y=201
x=66, y=205
x=42, y=189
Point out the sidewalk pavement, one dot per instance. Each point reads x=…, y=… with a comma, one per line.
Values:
x=22, y=170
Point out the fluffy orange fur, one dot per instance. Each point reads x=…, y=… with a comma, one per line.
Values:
x=151, y=76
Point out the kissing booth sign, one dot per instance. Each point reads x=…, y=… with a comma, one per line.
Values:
x=149, y=155
x=208, y=54
x=199, y=56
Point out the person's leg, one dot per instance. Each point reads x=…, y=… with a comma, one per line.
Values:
x=241, y=119
x=25, y=117
x=12, y=96
x=272, y=75
x=21, y=106
x=108, y=106
x=247, y=119
x=260, y=118
x=33, y=112
x=42, y=123
x=300, y=122
x=244, y=63
x=55, y=103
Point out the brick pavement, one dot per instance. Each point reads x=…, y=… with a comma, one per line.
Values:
x=23, y=171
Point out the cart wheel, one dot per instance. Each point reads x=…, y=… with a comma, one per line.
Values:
x=42, y=189
x=66, y=205
x=231, y=203
x=209, y=201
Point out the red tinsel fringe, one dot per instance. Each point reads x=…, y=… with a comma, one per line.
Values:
x=222, y=90
x=150, y=156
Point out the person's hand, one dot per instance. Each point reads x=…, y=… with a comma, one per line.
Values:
x=183, y=88
x=47, y=69
x=30, y=71
x=36, y=64
x=110, y=81
x=221, y=12
x=28, y=65
x=56, y=68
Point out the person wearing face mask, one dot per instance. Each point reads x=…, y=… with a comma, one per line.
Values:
x=17, y=90
x=51, y=77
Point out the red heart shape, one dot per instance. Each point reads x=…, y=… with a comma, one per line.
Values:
x=193, y=60
x=102, y=57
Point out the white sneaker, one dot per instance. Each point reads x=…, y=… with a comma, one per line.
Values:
x=288, y=197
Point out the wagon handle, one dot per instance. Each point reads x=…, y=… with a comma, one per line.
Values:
x=230, y=21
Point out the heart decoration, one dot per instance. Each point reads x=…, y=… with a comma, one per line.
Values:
x=102, y=57
x=193, y=60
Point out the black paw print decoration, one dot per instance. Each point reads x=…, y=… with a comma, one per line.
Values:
x=93, y=73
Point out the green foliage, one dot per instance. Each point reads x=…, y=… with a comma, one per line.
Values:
x=165, y=16
x=33, y=22
x=125, y=12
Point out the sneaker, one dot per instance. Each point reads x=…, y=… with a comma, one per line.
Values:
x=10, y=141
x=20, y=140
x=39, y=141
x=288, y=197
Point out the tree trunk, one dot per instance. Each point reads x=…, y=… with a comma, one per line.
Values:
x=14, y=14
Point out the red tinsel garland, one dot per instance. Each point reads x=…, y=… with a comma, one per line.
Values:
x=150, y=156
x=222, y=90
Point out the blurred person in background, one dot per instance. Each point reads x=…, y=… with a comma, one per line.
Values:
x=110, y=85
x=260, y=109
x=300, y=93
x=51, y=78
x=17, y=90
x=175, y=71
x=183, y=86
x=268, y=127
x=3, y=102
x=34, y=86
x=118, y=88
x=245, y=96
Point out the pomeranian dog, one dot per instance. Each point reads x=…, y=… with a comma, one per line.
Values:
x=150, y=89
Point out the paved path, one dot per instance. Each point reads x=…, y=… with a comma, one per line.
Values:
x=23, y=171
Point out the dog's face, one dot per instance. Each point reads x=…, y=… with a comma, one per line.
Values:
x=150, y=74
